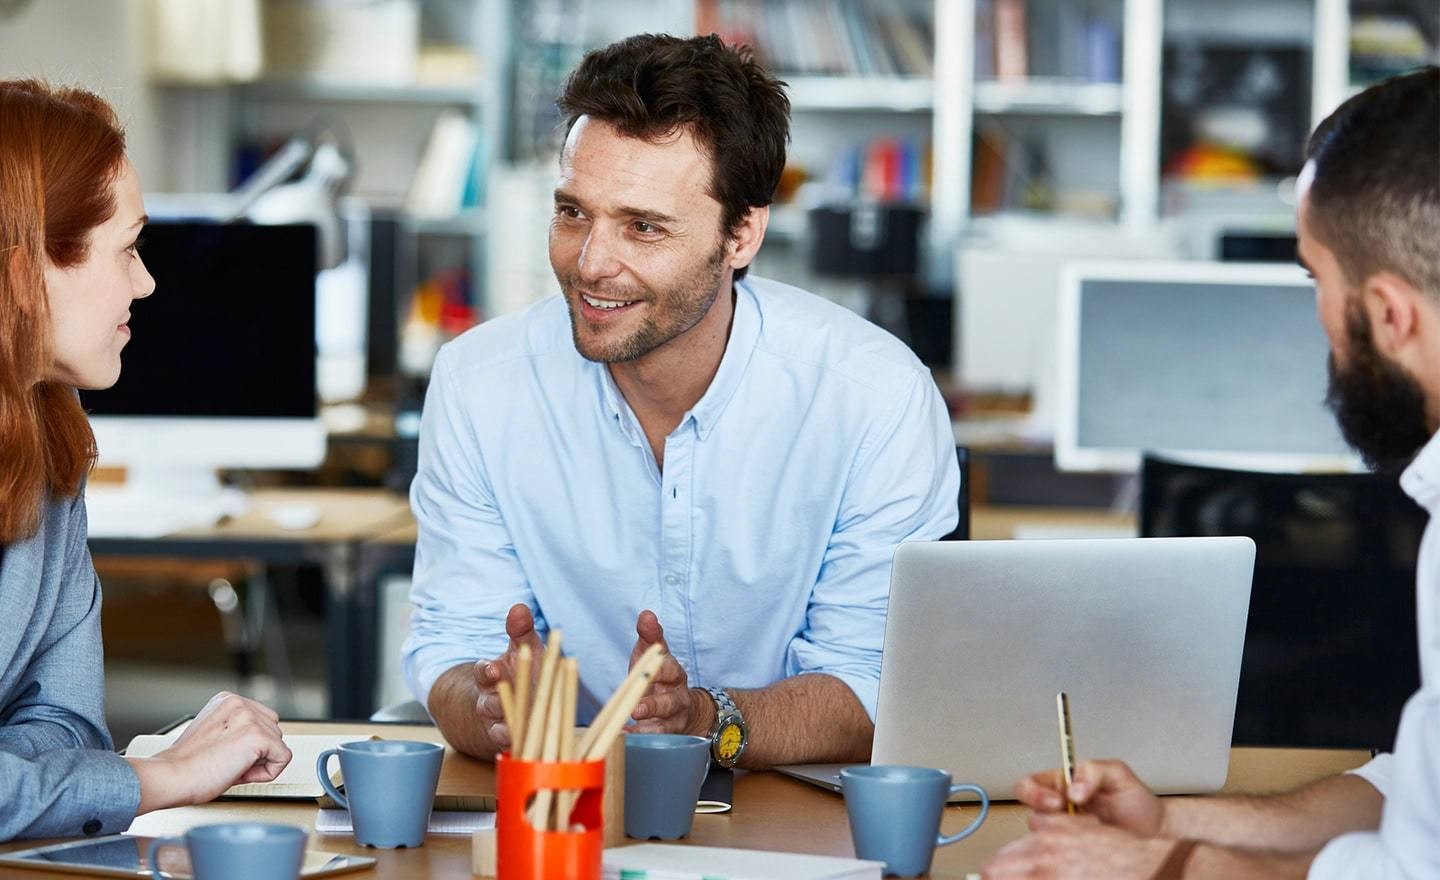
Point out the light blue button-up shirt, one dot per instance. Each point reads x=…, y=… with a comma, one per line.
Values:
x=765, y=544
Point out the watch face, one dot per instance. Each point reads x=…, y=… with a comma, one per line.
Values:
x=728, y=744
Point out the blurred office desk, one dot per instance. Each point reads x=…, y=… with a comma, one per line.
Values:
x=348, y=519
x=772, y=812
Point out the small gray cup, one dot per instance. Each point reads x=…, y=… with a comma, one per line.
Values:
x=895, y=814
x=663, y=775
x=237, y=851
x=389, y=788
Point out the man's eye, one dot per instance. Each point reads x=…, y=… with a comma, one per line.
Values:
x=567, y=211
x=644, y=228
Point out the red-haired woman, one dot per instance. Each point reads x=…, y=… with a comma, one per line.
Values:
x=70, y=213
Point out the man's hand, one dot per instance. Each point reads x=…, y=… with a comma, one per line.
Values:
x=520, y=627
x=1078, y=848
x=232, y=740
x=1108, y=790
x=670, y=705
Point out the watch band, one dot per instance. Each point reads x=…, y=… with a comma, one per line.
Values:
x=723, y=706
x=726, y=714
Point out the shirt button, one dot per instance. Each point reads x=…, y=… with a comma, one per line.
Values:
x=91, y=827
x=671, y=579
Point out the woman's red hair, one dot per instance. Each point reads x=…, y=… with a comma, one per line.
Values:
x=60, y=152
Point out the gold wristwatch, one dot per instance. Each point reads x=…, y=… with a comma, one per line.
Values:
x=728, y=738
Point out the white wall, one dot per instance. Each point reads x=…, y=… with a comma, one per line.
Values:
x=96, y=45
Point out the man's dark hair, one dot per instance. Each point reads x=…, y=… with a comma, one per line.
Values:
x=653, y=86
x=1375, y=201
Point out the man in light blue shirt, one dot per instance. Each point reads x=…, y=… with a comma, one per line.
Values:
x=669, y=441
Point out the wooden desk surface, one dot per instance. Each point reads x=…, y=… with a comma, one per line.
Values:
x=345, y=515
x=772, y=812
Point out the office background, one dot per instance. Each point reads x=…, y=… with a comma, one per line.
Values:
x=957, y=167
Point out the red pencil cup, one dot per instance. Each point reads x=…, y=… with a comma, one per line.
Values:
x=526, y=853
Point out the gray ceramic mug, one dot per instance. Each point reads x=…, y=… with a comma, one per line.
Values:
x=389, y=788
x=895, y=814
x=663, y=775
x=237, y=851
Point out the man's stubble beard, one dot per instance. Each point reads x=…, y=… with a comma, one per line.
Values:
x=691, y=299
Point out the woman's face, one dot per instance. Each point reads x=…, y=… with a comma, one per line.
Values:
x=90, y=302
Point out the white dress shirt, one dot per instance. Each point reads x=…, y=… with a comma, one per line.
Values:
x=1408, y=842
x=764, y=546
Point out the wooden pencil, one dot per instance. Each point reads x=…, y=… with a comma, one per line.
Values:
x=534, y=726
x=522, y=699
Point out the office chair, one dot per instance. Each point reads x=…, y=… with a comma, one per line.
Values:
x=1330, y=646
x=962, y=527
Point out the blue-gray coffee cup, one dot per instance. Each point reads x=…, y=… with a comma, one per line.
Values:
x=389, y=788
x=663, y=775
x=237, y=851
x=895, y=814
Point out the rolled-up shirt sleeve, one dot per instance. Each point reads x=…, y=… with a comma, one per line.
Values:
x=904, y=485
x=59, y=775
x=1407, y=846
x=466, y=575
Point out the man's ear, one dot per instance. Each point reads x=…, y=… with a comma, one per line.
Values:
x=1393, y=305
x=745, y=241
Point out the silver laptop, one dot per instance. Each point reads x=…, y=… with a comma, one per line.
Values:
x=1144, y=634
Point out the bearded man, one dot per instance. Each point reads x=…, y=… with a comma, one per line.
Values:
x=1369, y=234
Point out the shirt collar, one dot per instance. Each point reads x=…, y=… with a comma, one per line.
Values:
x=744, y=336
x=1421, y=480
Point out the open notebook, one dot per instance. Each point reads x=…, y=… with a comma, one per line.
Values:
x=297, y=780
x=457, y=791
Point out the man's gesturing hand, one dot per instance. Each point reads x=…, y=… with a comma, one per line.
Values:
x=670, y=705
x=520, y=627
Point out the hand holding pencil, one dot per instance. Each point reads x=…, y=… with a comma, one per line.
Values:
x=1106, y=790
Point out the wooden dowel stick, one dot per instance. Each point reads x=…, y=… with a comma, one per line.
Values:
x=569, y=695
x=523, y=661
x=549, y=751
x=625, y=704
x=620, y=705
x=507, y=706
x=535, y=726
x=608, y=709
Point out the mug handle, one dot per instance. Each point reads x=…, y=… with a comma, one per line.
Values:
x=155, y=846
x=322, y=770
x=970, y=829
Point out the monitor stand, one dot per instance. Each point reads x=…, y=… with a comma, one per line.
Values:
x=155, y=501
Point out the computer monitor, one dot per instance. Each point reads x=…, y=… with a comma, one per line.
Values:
x=220, y=372
x=1221, y=364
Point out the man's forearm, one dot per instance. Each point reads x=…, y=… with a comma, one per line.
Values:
x=1221, y=863
x=813, y=718
x=1300, y=821
x=452, y=705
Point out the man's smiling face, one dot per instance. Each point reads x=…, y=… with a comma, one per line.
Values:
x=635, y=240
